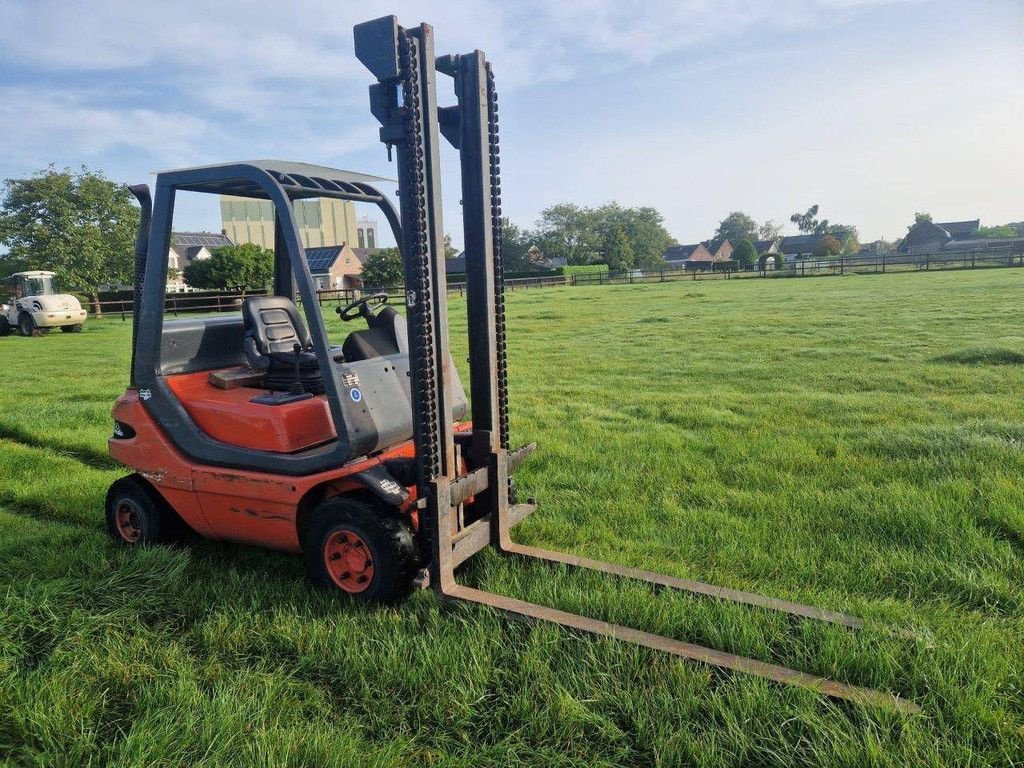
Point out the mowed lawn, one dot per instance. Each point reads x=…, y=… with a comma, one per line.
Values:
x=855, y=443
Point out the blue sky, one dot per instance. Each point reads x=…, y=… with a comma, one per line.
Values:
x=874, y=109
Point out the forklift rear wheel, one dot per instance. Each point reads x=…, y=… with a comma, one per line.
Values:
x=136, y=514
x=76, y=328
x=361, y=550
x=5, y=326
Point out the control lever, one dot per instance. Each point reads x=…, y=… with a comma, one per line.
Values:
x=296, y=388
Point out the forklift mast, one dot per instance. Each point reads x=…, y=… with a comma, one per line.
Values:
x=405, y=102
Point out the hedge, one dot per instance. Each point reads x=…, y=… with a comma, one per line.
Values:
x=584, y=269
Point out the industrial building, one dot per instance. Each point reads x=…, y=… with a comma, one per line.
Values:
x=322, y=221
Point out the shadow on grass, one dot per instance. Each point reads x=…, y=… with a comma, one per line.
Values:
x=982, y=356
x=87, y=456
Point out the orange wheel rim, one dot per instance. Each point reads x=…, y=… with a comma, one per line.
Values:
x=129, y=521
x=349, y=561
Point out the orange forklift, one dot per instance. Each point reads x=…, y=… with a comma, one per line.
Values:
x=253, y=428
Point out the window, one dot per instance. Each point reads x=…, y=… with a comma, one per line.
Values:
x=362, y=237
x=370, y=238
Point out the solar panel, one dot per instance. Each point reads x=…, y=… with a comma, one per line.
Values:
x=194, y=239
x=320, y=259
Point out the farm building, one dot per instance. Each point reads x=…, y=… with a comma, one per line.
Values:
x=337, y=266
x=928, y=237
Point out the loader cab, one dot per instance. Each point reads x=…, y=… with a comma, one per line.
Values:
x=263, y=388
x=35, y=283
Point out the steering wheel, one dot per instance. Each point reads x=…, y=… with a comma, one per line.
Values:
x=361, y=307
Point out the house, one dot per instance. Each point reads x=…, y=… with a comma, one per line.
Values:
x=721, y=250
x=709, y=255
x=334, y=267
x=928, y=237
x=795, y=247
x=187, y=247
x=676, y=255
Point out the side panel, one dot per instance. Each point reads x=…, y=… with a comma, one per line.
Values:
x=249, y=508
x=151, y=454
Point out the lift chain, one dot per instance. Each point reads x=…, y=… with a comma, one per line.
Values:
x=499, y=269
x=421, y=308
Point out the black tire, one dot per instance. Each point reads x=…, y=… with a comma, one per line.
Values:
x=137, y=514
x=27, y=326
x=5, y=326
x=76, y=328
x=391, y=561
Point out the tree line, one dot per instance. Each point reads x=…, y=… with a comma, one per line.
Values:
x=82, y=225
x=612, y=234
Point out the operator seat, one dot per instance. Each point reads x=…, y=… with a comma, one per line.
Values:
x=387, y=334
x=273, y=327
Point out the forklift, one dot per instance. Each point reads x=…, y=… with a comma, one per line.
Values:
x=365, y=458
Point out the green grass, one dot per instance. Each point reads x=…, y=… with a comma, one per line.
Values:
x=855, y=443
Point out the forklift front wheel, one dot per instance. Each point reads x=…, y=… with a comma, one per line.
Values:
x=358, y=549
x=135, y=515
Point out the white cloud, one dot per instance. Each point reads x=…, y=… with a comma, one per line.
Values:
x=36, y=121
x=200, y=81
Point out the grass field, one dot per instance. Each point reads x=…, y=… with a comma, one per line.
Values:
x=855, y=443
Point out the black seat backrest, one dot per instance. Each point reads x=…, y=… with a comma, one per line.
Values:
x=274, y=324
x=385, y=336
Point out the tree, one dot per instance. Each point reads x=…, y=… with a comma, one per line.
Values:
x=617, y=252
x=745, y=254
x=631, y=237
x=569, y=231
x=384, y=269
x=245, y=266
x=828, y=246
x=1006, y=230
x=735, y=227
x=80, y=225
x=919, y=217
x=515, y=247
x=769, y=230
x=450, y=251
x=808, y=221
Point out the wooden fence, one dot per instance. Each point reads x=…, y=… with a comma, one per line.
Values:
x=229, y=301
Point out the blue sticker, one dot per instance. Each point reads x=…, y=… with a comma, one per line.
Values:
x=355, y=394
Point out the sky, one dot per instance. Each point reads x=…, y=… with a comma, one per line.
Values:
x=873, y=109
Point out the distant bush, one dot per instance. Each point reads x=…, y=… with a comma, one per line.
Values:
x=583, y=269
x=745, y=254
x=827, y=246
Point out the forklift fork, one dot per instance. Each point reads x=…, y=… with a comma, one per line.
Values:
x=404, y=100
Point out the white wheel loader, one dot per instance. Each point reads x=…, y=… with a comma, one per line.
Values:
x=35, y=305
